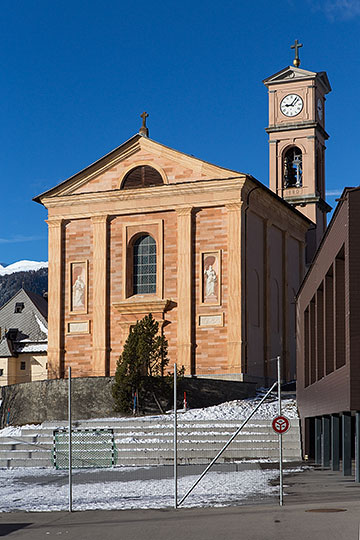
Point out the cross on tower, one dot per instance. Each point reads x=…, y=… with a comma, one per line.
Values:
x=144, y=130
x=296, y=46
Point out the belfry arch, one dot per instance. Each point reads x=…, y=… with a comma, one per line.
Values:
x=292, y=163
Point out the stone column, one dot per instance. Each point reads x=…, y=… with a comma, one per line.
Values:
x=184, y=282
x=318, y=426
x=335, y=442
x=55, y=340
x=346, y=444
x=325, y=450
x=235, y=274
x=99, y=360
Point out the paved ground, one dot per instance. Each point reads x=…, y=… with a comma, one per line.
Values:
x=320, y=505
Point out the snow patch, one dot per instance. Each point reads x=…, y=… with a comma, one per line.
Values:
x=42, y=326
x=30, y=490
x=22, y=266
x=241, y=408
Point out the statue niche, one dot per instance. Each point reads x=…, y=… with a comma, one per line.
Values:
x=292, y=168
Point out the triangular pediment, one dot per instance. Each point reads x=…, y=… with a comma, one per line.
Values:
x=106, y=173
x=291, y=73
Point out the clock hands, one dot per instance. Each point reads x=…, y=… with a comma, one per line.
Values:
x=291, y=104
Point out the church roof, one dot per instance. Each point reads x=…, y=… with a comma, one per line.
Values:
x=121, y=152
x=207, y=172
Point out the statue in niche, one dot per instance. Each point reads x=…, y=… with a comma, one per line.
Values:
x=210, y=281
x=78, y=298
x=211, y=277
x=79, y=293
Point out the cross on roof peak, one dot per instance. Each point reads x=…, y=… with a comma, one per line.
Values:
x=144, y=130
x=296, y=46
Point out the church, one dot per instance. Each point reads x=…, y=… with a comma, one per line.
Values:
x=215, y=255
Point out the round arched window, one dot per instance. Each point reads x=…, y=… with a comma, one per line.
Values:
x=142, y=176
x=144, y=265
x=293, y=168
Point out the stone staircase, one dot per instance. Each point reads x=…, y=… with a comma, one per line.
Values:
x=149, y=441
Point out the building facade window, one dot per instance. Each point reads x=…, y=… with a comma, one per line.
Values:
x=144, y=265
x=293, y=168
x=22, y=366
x=141, y=177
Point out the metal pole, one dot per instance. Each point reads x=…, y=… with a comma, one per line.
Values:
x=229, y=442
x=357, y=447
x=175, y=438
x=280, y=434
x=70, y=442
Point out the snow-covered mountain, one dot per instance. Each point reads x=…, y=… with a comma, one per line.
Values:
x=21, y=266
x=30, y=275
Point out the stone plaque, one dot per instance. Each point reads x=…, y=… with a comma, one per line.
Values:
x=211, y=320
x=78, y=327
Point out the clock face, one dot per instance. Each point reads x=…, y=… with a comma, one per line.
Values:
x=319, y=108
x=291, y=105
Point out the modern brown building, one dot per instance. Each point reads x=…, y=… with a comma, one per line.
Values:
x=328, y=338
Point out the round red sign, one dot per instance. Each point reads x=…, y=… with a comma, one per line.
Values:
x=280, y=424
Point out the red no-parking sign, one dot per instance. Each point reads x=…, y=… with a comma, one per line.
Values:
x=280, y=424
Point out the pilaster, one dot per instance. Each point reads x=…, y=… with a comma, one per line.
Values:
x=285, y=368
x=55, y=350
x=267, y=344
x=184, y=296
x=235, y=273
x=99, y=363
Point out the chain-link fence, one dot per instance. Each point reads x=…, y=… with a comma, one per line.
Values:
x=146, y=462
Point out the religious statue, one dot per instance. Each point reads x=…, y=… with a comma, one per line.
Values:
x=79, y=293
x=210, y=281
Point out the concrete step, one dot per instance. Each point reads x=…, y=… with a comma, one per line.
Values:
x=45, y=462
x=149, y=441
x=154, y=422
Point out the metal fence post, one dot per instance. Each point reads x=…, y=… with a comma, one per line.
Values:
x=280, y=434
x=70, y=441
x=175, y=437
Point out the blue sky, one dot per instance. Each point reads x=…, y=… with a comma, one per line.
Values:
x=77, y=75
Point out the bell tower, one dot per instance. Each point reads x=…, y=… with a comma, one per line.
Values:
x=297, y=142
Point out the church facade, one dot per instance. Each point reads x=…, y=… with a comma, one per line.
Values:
x=213, y=254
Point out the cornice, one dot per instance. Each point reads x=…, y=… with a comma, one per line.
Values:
x=297, y=126
x=309, y=199
x=144, y=306
x=54, y=223
x=156, y=193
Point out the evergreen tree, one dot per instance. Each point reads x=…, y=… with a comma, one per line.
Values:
x=141, y=365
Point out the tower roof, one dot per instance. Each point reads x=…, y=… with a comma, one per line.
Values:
x=290, y=73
